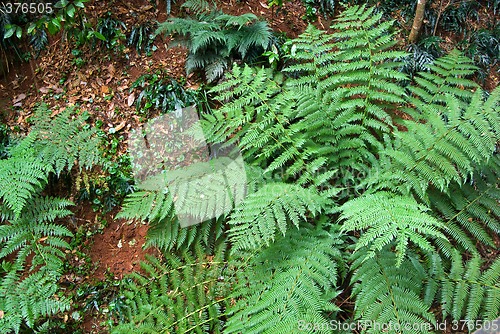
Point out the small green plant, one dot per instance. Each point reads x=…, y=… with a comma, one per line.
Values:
x=483, y=46
x=422, y=55
x=215, y=39
x=162, y=93
x=113, y=32
x=77, y=60
x=37, y=20
x=141, y=37
x=326, y=7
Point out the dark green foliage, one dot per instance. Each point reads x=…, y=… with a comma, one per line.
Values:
x=326, y=7
x=483, y=47
x=141, y=37
x=215, y=39
x=113, y=32
x=4, y=140
x=422, y=55
x=162, y=93
x=455, y=17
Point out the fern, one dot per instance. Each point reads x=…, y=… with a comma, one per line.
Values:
x=448, y=147
x=471, y=291
x=214, y=39
x=332, y=152
x=34, y=236
x=287, y=284
x=448, y=75
x=269, y=209
x=29, y=300
x=186, y=294
x=387, y=219
x=389, y=295
x=43, y=151
x=21, y=176
x=471, y=214
x=73, y=141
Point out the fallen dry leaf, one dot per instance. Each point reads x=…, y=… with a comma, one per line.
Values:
x=120, y=126
x=131, y=99
x=18, y=99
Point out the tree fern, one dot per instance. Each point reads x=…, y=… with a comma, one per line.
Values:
x=351, y=78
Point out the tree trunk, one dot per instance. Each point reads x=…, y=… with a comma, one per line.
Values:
x=417, y=21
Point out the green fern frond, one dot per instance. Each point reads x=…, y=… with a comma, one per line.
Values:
x=291, y=283
x=65, y=140
x=257, y=34
x=184, y=295
x=386, y=219
x=446, y=148
x=269, y=210
x=471, y=210
x=471, y=292
x=52, y=146
x=22, y=176
x=33, y=235
x=389, y=292
x=28, y=300
x=448, y=75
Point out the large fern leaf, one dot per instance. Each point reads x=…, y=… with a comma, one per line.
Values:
x=389, y=295
x=386, y=219
x=287, y=285
x=269, y=210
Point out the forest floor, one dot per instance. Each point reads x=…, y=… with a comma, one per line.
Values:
x=102, y=87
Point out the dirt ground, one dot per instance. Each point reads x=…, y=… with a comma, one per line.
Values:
x=102, y=87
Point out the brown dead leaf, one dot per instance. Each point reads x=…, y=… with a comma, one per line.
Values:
x=18, y=99
x=104, y=89
x=131, y=99
x=44, y=90
x=120, y=126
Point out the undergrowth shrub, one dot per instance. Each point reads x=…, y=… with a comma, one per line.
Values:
x=214, y=39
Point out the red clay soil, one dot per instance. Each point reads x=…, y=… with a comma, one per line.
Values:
x=118, y=249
